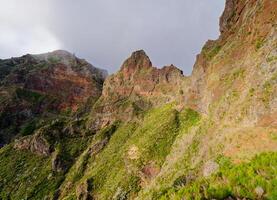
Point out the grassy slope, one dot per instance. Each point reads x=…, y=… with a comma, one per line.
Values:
x=118, y=170
x=24, y=175
x=239, y=180
x=165, y=140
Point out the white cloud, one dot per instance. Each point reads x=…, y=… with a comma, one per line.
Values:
x=18, y=42
x=24, y=28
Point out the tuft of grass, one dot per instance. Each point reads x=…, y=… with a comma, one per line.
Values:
x=271, y=59
x=29, y=127
x=267, y=92
x=259, y=43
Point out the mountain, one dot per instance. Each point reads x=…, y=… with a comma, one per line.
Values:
x=37, y=88
x=147, y=132
x=135, y=88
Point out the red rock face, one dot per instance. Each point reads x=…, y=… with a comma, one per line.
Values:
x=68, y=79
x=70, y=87
x=236, y=63
x=44, y=85
x=138, y=77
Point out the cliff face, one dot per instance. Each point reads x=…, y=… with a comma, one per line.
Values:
x=153, y=133
x=40, y=86
x=232, y=75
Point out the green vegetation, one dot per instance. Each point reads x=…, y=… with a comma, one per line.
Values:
x=259, y=43
x=210, y=53
x=273, y=135
x=233, y=180
x=268, y=89
x=29, y=127
x=29, y=95
x=54, y=59
x=229, y=79
x=55, y=149
x=24, y=175
x=118, y=168
x=251, y=92
x=271, y=59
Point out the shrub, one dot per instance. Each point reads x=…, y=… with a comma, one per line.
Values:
x=234, y=180
x=29, y=128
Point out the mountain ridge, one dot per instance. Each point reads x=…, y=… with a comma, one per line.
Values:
x=153, y=133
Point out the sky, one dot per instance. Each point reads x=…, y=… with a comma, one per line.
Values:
x=106, y=32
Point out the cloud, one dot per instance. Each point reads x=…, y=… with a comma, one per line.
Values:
x=105, y=32
x=24, y=28
x=15, y=42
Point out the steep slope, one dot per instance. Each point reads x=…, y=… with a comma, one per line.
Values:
x=233, y=86
x=155, y=134
x=36, y=87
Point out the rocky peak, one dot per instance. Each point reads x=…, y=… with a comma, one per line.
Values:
x=172, y=69
x=137, y=86
x=71, y=62
x=58, y=56
x=137, y=61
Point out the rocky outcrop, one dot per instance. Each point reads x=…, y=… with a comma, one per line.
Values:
x=82, y=191
x=231, y=74
x=138, y=86
x=57, y=163
x=36, y=144
x=228, y=14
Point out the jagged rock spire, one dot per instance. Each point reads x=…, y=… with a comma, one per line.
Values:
x=137, y=60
